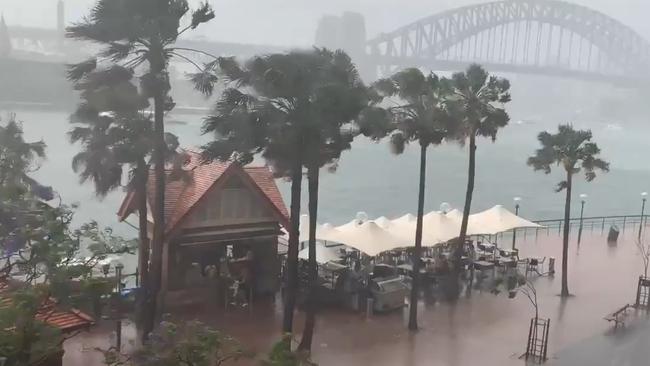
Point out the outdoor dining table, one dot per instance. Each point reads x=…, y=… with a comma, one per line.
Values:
x=407, y=269
x=508, y=252
x=483, y=265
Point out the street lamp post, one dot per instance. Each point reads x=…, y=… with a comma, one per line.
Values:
x=644, y=196
x=119, y=267
x=583, y=200
x=514, y=231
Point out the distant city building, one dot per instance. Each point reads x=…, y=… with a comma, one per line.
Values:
x=346, y=32
x=5, y=41
x=60, y=24
x=60, y=17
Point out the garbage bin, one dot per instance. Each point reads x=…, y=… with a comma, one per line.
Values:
x=612, y=237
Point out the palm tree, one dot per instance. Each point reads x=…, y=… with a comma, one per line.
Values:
x=114, y=133
x=420, y=116
x=116, y=136
x=572, y=150
x=477, y=97
x=339, y=98
x=133, y=33
x=290, y=109
x=270, y=123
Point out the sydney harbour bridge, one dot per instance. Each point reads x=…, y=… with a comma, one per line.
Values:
x=544, y=37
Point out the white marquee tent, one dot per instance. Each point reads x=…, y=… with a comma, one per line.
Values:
x=496, y=220
x=375, y=236
x=383, y=222
x=455, y=214
x=323, y=254
x=367, y=237
x=438, y=228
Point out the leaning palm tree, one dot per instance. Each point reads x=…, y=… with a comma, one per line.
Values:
x=290, y=109
x=572, y=150
x=478, y=109
x=420, y=116
x=114, y=134
x=339, y=98
x=270, y=122
x=134, y=33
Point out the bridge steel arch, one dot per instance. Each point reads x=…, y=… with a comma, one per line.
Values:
x=423, y=42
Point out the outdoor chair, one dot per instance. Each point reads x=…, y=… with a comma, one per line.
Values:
x=534, y=264
x=486, y=247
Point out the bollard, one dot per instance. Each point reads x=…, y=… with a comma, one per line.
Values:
x=551, y=266
x=370, y=302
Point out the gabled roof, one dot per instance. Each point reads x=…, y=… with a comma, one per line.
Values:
x=65, y=320
x=197, y=179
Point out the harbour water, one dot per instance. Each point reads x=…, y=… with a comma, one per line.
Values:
x=371, y=179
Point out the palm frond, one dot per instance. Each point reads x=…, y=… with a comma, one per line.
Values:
x=76, y=72
x=202, y=14
x=204, y=81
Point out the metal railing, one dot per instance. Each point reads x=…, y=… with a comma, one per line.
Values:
x=589, y=224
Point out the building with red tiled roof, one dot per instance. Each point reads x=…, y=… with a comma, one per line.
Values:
x=66, y=321
x=214, y=212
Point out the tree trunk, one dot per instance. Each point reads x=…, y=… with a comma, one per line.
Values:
x=158, y=239
x=143, y=235
x=468, y=199
x=310, y=322
x=417, y=250
x=141, y=178
x=27, y=331
x=565, y=239
x=292, y=252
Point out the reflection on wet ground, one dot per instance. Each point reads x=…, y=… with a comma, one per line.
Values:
x=482, y=329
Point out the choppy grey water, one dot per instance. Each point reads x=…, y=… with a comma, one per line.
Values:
x=373, y=180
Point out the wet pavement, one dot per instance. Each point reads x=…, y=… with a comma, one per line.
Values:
x=482, y=329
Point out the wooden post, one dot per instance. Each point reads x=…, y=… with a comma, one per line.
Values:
x=545, y=349
x=638, y=292
x=118, y=335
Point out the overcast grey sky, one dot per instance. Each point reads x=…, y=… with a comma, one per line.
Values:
x=293, y=22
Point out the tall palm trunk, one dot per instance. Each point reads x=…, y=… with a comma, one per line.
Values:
x=468, y=198
x=158, y=240
x=310, y=322
x=565, y=239
x=417, y=251
x=142, y=175
x=143, y=234
x=292, y=251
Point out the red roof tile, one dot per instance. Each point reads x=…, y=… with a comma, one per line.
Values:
x=65, y=320
x=182, y=194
